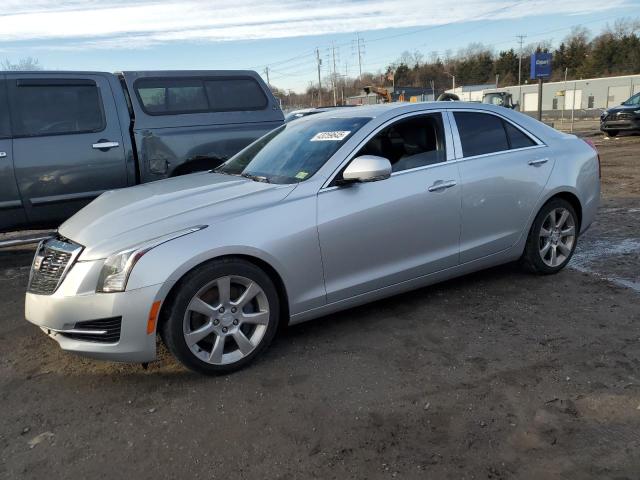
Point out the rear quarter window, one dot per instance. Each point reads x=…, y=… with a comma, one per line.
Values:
x=168, y=96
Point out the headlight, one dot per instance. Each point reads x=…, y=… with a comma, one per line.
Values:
x=117, y=268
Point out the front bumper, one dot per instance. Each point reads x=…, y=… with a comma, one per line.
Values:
x=620, y=124
x=58, y=315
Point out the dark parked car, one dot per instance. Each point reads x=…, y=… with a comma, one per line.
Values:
x=66, y=137
x=625, y=118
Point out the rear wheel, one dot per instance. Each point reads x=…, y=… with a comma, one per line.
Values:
x=224, y=314
x=612, y=133
x=552, y=239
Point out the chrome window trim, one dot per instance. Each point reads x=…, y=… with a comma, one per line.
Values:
x=448, y=141
x=458, y=143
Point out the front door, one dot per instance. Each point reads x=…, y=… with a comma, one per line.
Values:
x=377, y=234
x=68, y=146
x=11, y=211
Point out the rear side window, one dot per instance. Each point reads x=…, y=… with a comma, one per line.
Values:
x=172, y=96
x=169, y=96
x=39, y=108
x=5, y=126
x=481, y=133
x=241, y=94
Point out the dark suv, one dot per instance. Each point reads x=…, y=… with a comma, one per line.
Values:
x=626, y=117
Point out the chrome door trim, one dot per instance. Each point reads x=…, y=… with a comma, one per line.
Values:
x=448, y=139
x=440, y=185
x=105, y=145
x=538, y=161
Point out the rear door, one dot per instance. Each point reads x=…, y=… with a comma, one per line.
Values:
x=11, y=211
x=68, y=145
x=503, y=170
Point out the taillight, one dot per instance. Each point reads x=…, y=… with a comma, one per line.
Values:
x=593, y=145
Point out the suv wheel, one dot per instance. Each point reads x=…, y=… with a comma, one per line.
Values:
x=224, y=314
x=612, y=133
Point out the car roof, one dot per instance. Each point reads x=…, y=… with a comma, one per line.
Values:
x=397, y=108
x=386, y=111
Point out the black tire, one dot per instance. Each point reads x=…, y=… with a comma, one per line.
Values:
x=171, y=329
x=532, y=258
x=612, y=133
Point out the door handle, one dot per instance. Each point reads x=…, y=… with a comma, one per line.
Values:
x=3, y=154
x=102, y=145
x=441, y=185
x=537, y=162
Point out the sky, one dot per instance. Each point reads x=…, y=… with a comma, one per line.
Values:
x=281, y=35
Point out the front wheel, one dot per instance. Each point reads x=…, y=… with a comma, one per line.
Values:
x=612, y=133
x=225, y=313
x=552, y=239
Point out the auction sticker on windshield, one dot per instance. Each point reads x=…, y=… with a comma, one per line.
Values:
x=331, y=136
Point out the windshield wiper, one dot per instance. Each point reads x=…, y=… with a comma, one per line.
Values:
x=255, y=178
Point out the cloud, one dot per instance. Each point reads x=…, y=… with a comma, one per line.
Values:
x=107, y=24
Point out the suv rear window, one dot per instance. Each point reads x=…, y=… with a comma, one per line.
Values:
x=61, y=107
x=170, y=96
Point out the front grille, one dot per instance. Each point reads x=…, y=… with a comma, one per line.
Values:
x=53, y=259
x=612, y=117
x=106, y=330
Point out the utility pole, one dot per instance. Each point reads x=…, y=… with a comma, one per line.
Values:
x=564, y=100
x=360, y=47
x=319, y=60
x=433, y=90
x=333, y=77
x=266, y=72
x=521, y=41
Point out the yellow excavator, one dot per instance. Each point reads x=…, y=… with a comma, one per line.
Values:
x=381, y=92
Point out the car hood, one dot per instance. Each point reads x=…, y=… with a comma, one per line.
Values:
x=622, y=108
x=120, y=219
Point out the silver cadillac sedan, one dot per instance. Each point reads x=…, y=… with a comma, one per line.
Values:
x=319, y=215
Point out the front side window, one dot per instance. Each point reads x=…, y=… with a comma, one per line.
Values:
x=482, y=133
x=410, y=143
x=39, y=109
x=168, y=96
x=293, y=152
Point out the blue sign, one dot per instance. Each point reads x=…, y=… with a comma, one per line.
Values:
x=540, y=65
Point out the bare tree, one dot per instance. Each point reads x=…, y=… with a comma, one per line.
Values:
x=23, y=65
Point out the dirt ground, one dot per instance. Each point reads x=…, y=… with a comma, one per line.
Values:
x=496, y=375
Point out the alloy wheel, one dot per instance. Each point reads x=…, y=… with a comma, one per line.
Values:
x=226, y=320
x=557, y=237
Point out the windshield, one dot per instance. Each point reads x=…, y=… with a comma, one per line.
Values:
x=293, y=152
x=635, y=100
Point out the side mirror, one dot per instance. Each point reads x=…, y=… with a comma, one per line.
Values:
x=367, y=168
